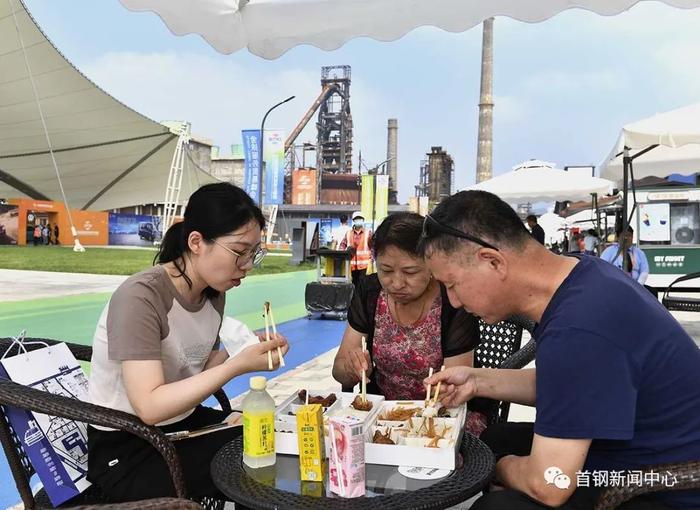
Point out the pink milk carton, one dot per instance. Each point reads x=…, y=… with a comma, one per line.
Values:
x=347, y=456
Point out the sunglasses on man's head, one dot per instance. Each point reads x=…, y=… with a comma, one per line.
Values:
x=431, y=227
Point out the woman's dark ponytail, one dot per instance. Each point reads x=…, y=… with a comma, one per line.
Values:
x=172, y=247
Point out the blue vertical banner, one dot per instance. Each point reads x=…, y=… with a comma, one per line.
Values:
x=273, y=152
x=251, y=151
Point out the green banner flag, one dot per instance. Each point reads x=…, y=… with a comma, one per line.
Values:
x=367, y=200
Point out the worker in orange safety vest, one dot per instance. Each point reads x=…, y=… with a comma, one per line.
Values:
x=358, y=240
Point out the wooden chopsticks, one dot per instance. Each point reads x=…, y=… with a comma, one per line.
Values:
x=270, y=318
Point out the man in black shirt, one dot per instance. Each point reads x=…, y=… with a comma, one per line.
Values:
x=536, y=231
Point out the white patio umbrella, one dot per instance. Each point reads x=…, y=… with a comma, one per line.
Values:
x=268, y=28
x=538, y=181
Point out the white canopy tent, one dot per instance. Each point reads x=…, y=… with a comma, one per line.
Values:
x=554, y=227
x=583, y=219
x=268, y=28
x=538, y=181
x=657, y=146
x=108, y=155
x=675, y=141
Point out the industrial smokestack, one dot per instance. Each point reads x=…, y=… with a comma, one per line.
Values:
x=392, y=152
x=484, y=148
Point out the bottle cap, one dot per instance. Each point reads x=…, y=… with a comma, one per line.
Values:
x=258, y=383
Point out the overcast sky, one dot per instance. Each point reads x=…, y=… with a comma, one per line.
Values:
x=563, y=88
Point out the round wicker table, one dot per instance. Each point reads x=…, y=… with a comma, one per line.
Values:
x=279, y=487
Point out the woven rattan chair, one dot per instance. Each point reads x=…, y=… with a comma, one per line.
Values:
x=687, y=477
x=499, y=347
x=17, y=395
x=681, y=303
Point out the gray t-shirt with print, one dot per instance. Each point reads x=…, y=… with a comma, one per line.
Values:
x=147, y=319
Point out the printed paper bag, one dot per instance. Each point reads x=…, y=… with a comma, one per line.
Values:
x=56, y=447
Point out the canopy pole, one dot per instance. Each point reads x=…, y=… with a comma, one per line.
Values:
x=622, y=238
x=77, y=247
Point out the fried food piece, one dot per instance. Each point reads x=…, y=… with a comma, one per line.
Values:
x=433, y=442
x=324, y=401
x=400, y=413
x=380, y=438
x=431, y=428
x=361, y=405
x=443, y=412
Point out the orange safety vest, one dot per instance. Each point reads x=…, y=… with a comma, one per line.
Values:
x=363, y=255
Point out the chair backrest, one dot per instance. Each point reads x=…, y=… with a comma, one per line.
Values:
x=496, y=343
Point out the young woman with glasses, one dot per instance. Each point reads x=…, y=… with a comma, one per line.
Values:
x=156, y=347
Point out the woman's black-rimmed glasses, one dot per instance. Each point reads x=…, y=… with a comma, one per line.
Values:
x=431, y=226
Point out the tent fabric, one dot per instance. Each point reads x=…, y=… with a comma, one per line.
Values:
x=108, y=155
x=677, y=134
x=543, y=184
x=553, y=226
x=268, y=28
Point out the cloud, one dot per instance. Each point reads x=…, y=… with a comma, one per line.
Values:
x=218, y=97
x=559, y=82
x=677, y=62
x=511, y=109
x=222, y=96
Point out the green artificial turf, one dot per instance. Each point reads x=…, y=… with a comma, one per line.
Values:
x=107, y=260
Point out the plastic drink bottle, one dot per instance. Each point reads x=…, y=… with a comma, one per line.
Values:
x=258, y=425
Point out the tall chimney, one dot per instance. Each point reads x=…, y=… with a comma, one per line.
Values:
x=484, y=150
x=392, y=151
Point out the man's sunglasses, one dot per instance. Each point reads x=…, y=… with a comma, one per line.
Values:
x=431, y=227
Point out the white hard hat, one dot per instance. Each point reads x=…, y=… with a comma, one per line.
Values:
x=358, y=214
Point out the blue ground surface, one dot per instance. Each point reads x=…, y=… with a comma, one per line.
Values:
x=307, y=338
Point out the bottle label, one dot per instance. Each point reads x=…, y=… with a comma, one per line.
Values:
x=258, y=434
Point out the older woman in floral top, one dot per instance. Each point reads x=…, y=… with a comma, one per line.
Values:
x=406, y=318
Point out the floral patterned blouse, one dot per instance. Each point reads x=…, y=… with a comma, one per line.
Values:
x=403, y=355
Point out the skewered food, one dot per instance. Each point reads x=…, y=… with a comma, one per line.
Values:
x=360, y=404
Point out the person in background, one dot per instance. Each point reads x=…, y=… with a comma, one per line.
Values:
x=340, y=232
x=55, y=234
x=640, y=264
x=156, y=348
x=535, y=229
x=575, y=240
x=617, y=383
x=46, y=234
x=37, y=234
x=590, y=242
x=358, y=240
